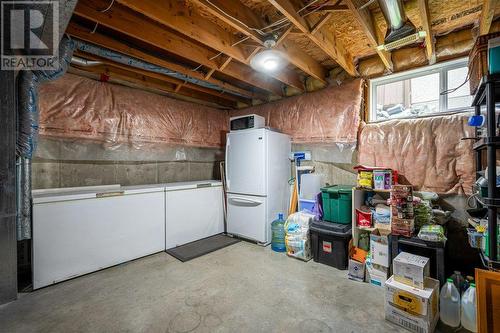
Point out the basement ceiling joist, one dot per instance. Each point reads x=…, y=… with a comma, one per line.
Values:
x=177, y=16
x=180, y=84
x=426, y=25
x=209, y=43
x=136, y=26
x=241, y=18
x=487, y=16
x=134, y=76
x=116, y=45
x=322, y=38
x=364, y=18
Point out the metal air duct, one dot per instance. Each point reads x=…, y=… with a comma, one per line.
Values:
x=398, y=25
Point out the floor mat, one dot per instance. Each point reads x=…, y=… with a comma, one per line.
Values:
x=201, y=247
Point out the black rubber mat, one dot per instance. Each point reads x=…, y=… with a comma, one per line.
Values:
x=201, y=247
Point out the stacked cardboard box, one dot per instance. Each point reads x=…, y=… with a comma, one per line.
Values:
x=411, y=298
x=378, y=263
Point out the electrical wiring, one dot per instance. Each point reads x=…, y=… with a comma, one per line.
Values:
x=261, y=30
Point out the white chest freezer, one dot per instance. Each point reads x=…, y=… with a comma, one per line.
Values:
x=79, y=231
x=194, y=211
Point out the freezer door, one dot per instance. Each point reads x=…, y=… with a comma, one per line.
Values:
x=246, y=162
x=246, y=217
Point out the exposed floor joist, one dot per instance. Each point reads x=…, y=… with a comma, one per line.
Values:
x=178, y=17
x=155, y=83
x=366, y=23
x=426, y=25
x=322, y=38
x=241, y=18
x=113, y=44
x=166, y=78
x=487, y=16
x=135, y=26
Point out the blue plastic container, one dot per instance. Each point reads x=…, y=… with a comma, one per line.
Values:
x=278, y=234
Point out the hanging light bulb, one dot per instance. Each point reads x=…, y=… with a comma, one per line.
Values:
x=269, y=60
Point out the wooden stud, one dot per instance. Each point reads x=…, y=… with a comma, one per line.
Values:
x=246, y=19
x=136, y=27
x=79, y=32
x=321, y=22
x=366, y=23
x=322, y=38
x=225, y=63
x=179, y=17
x=142, y=80
x=487, y=16
x=429, y=38
x=209, y=74
x=162, y=77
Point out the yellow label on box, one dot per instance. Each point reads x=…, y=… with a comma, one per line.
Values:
x=408, y=302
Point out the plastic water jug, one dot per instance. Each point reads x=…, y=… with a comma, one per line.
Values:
x=278, y=231
x=469, y=308
x=449, y=304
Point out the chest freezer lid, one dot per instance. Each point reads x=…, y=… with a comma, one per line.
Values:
x=91, y=192
x=192, y=185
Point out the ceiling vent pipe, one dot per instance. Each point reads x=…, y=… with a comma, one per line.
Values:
x=84, y=62
x=398, y=25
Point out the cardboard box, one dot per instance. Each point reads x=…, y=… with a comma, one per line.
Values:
x=412, y=308
x=423, y=302
x=376, y=274
x=416, y=324
x=356, y=270
x=380, y=249
x=410, y=269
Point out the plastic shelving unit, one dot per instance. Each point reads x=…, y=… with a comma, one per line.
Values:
x=488, y=94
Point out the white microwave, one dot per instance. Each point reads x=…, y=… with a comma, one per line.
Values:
x=246, y=122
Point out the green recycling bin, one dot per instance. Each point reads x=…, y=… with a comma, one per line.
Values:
x=337, y=203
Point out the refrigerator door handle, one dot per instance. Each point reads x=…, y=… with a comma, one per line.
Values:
x=246, y=201
x=228, y=181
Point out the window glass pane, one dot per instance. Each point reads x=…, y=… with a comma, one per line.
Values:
x=408, y=98
x=459, y=98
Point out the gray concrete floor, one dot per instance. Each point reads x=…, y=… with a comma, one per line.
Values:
x=242, y=288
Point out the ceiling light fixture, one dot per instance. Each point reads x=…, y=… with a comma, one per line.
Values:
x=269, y=60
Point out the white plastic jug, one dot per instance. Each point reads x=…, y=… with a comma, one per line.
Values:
x=469, y=308
x=449, y=304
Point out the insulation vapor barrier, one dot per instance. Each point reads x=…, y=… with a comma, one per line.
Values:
x=74, y=107
x=29, y=83
x=331, y=115
x=427, y=152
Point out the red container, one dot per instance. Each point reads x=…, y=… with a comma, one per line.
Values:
x=363, y=219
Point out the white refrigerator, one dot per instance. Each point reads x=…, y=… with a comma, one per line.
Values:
x=257, y=174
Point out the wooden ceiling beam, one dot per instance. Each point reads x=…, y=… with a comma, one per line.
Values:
x=139, y=28
x=165, y=78
x=322, y=37
x=175, y=15
x=425, y=16
x=237, y=15
x=113, y=44
x=149, y=82
x=487, y=16
x=367, y=25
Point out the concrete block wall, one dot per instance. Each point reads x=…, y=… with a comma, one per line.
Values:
x=66, y=163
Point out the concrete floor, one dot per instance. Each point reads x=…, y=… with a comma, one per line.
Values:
x=242, y=288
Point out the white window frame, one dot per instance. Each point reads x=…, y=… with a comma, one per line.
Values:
x=441, y=68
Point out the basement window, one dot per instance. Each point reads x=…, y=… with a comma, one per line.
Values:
x=420, y=92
